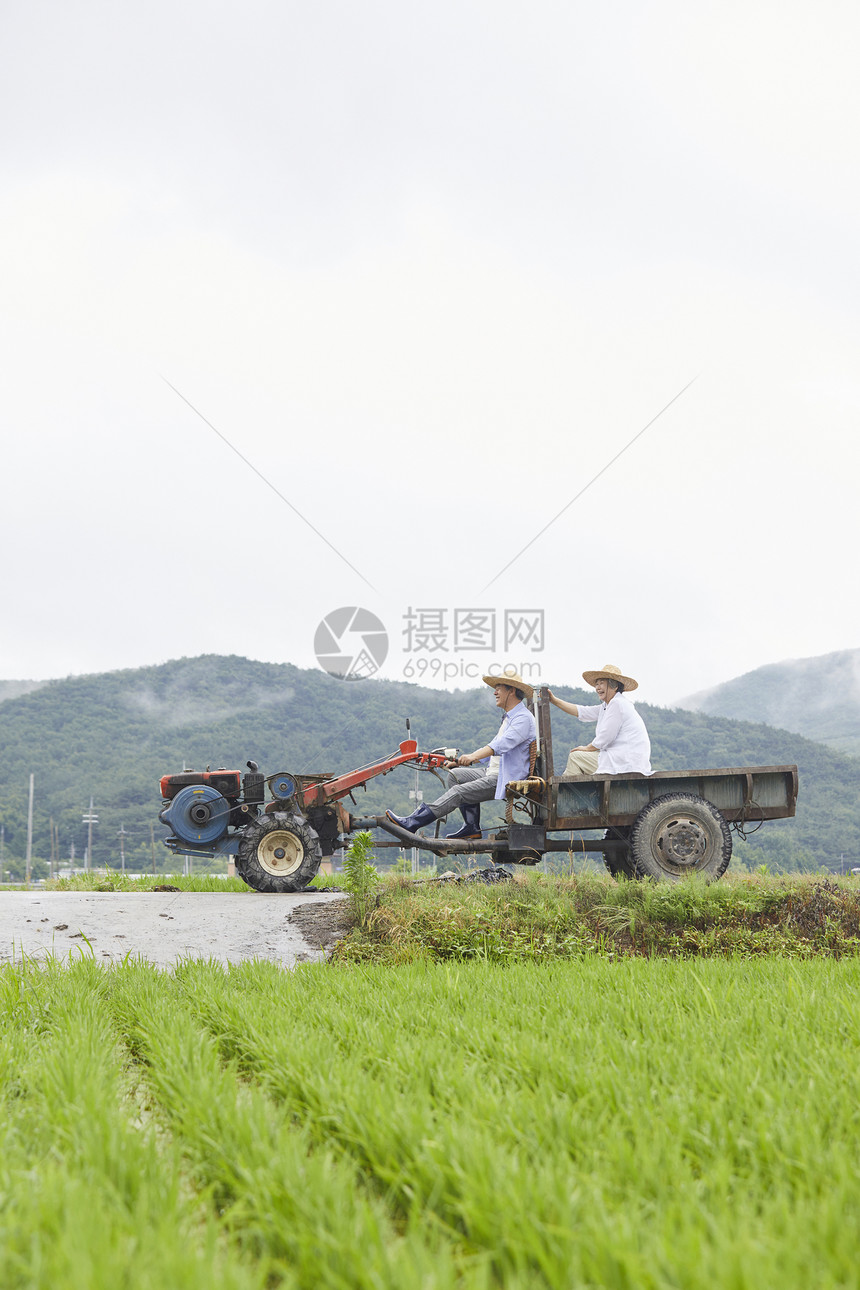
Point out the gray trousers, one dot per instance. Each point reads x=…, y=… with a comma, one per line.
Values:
x=466, y=785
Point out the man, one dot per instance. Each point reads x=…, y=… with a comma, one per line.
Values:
x=469, y=784
x=620, y=745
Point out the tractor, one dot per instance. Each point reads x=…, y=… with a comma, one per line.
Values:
x=663, y=826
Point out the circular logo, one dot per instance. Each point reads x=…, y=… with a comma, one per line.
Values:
x=351, y=644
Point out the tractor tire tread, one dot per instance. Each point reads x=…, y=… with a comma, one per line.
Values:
x=250, y=870
x=647, y=821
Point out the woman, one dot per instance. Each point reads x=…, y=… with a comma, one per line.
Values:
x=620, y=745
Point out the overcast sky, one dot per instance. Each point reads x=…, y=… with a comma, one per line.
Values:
x=429, y=267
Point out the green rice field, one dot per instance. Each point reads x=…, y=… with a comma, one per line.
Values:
x=633, y=1123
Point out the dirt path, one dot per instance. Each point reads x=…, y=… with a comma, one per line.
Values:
x=164, y=927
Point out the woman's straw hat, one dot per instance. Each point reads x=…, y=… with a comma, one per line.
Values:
x=511, y=678
x=609, y=672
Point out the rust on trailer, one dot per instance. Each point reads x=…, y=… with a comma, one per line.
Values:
x=742, y=794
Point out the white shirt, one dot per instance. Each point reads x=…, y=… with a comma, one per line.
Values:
x=621, y=738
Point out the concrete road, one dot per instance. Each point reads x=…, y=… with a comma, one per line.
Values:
x=161, y=927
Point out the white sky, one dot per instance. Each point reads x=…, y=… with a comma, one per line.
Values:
x=429, y=267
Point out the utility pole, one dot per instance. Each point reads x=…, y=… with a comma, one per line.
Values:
x=30, y=830
x=152, y=845
x=122, y=835
x=417, y=796
x=89, y=818
x=51, y=828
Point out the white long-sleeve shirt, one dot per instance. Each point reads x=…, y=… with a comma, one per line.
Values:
x=621, y=738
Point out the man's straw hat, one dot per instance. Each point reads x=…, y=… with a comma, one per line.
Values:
x=511, y=678
x=609, y=672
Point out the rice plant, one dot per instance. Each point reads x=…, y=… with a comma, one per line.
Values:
x=359, y=875
x=583, y=1122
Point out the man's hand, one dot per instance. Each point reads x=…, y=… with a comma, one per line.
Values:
x=466, y=760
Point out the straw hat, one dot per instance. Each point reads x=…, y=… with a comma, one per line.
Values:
x=511, y=678
x=609, y=672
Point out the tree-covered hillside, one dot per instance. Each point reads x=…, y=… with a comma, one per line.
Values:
x=114, y=735
x=816, y=697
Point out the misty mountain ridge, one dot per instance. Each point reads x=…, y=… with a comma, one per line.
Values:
x=14, y=689
x=818, y=698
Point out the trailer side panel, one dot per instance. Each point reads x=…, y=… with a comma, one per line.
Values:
x=746, y=793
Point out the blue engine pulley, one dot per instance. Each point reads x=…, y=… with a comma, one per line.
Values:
x=198, y=815
x=282, y=785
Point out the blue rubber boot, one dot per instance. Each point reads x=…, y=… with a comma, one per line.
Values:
x=471, y=813
x=412, y=823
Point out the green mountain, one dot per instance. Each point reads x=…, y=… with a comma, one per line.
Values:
x=816, y=697
x=114, y=735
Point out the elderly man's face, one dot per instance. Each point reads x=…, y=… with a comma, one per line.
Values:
x=605, y=689
x=502, y=693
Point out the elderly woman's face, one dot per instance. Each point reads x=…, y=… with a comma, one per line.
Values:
x=605, y=689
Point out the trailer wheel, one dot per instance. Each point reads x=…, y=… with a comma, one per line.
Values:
x=618, y=861
x=677, y=835
x=279, y=853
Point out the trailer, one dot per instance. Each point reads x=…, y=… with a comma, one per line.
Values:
x=663, y=826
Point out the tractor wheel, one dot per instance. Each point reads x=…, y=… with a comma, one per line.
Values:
x=278, y=853
x=618, y=861
x=677, y=835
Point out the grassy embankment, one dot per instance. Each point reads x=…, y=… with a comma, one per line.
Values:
x=638, y=1123
x=542, y=917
